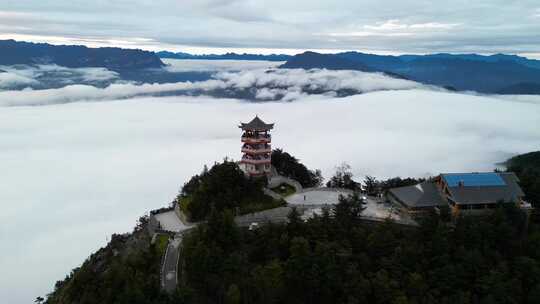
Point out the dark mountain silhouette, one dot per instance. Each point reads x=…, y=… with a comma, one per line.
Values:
x=500, y=73
x=228, y=56
x=491, y=58
x=312, y=60
x=487, y=74
x=13, y=52
x=529, y=87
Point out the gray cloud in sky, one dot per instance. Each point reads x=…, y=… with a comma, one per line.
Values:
x=397, y=26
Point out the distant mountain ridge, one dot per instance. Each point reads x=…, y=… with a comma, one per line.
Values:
x=498, y=74
x=494, y=74
x=116, y=59
x=312, y=60
x=504, y=74
x=227, y=56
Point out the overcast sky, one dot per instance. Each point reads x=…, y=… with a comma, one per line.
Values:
x=202, y=26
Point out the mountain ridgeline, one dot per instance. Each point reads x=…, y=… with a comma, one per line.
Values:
x=500, y=74
x=312, y=60
x=495, y=74
x=227, y=56
x=74, y=56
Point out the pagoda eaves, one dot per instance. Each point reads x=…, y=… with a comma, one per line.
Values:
x=256, y=124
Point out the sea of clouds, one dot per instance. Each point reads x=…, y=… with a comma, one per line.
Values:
x=51, y=76
x=252, y=85
x=74, y=172
x=248, y=80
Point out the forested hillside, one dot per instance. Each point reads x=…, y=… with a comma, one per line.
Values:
x=224, y=186
x=125, y=271
x=527, y=168
x=340, y=260
x=330, y=259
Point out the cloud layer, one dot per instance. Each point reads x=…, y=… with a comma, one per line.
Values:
x=52, y=76
x=76, y=173
x=250, y=80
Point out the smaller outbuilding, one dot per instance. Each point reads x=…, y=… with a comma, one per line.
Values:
x=420, y=197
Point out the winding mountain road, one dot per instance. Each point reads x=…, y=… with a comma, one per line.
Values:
x=169, y=278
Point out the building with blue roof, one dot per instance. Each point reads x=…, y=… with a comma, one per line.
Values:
x=463, y=192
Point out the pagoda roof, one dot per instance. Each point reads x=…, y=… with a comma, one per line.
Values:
x=256, y=124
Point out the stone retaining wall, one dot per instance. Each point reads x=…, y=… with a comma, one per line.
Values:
x=277, y=180
x=327, y=189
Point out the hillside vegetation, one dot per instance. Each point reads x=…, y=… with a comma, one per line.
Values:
x=289, y=166
x=527, y=168
x=224, y=186
x=125, y=271
x=341, y=260
x=327, y=260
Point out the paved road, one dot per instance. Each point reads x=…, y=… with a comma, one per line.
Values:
x=170, y=264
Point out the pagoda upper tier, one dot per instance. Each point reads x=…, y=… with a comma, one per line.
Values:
x=256, y=125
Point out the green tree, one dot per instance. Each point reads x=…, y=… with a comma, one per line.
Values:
x=233, y=295
x=298, y=275
x=287, y=165
x=224, y=186
x=343, y=178
x=371, y=185
x=348, y=210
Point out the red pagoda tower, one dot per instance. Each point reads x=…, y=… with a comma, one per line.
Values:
x=256, y=147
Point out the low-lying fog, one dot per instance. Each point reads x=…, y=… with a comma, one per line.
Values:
x=74, y=173
x=247, y=80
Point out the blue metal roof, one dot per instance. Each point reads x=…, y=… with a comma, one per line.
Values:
x=474, y=179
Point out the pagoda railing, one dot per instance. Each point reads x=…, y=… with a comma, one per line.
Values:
x=256, y=161
x=256, y=139
x=257, y=151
